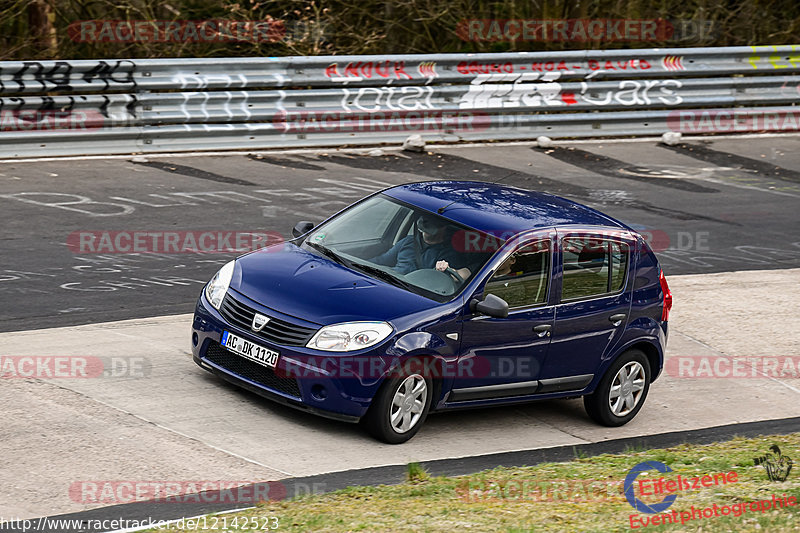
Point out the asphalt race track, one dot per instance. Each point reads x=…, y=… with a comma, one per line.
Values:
x=710, y=207
x=722, y=216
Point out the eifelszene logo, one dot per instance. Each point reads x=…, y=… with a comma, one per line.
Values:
x=630, y=495
x=777, y=466
x=668, y=487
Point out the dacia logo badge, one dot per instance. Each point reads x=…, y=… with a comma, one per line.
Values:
x=259, y=321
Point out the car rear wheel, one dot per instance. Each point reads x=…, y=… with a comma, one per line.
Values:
x=400, y=407
x=622, y=391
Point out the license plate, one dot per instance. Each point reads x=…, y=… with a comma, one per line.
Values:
x=245, y=348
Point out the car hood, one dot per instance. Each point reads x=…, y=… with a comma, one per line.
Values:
x=296, y=282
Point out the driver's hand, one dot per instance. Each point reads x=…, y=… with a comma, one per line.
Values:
x=442, y=265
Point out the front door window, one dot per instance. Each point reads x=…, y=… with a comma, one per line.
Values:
x=523, y=278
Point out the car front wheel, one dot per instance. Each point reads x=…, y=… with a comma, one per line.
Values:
x=399, y=409
x=621, y=392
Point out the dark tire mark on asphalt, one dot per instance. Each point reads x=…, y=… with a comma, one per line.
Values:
x=607, y=166
x=453, y=167
x=449, y=166
x=193, y=172
x=725, y=159
x=285, y=162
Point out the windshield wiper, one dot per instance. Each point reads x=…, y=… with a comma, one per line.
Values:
x=369, y=269
x=327, y=252
x=384, y=275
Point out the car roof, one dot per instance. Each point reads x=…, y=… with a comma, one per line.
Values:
x=494, y=208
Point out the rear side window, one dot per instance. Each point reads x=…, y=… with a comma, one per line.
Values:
x=592, y=267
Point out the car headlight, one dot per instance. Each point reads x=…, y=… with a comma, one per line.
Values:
x=349, y=336
x=218, y=286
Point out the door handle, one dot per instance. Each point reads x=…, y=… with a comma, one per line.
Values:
x=543, y=330
x=616, y=320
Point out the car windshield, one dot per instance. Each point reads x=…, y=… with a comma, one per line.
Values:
x=403, y=245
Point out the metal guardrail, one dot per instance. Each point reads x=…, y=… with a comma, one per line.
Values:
x=156, y=105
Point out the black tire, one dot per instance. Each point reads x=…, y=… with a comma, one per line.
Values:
x=379, y=421
x=599, y=404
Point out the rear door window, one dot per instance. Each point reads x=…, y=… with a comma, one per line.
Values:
x=593, y=267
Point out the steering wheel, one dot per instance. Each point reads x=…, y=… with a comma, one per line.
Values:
x=454, y=273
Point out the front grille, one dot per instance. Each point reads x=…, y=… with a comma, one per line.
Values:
x=251, y=370
x=277, y=331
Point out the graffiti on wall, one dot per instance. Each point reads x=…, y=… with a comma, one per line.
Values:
x=767, y=57
x=534, y=90
x=63, y=76
x=360, y=94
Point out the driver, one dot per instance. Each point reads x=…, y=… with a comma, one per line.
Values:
x=426, y=248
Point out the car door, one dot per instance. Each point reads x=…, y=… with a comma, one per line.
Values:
x=594, y=300
x=502, y=357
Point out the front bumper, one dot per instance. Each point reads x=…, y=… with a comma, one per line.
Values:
x=324, y=383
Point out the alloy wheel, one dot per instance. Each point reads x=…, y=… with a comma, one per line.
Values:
x=408, y=403
x=627, y=388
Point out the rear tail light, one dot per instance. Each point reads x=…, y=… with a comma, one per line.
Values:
x=667, y=296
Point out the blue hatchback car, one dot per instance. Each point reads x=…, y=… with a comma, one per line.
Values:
x=442, y=295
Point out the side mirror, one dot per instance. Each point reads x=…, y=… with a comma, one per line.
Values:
x=302, y=227
x=492, y=305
